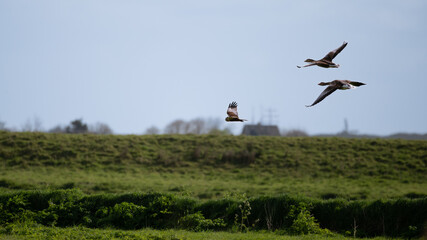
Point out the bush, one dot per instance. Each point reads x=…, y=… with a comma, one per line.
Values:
x=271, y=211
x=64, y=213
x=161, y=210
x=303, y=222
x=222, y=208
x=15, y=210
x=122, y=215
x=197, y=222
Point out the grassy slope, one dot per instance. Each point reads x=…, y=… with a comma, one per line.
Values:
x=209, y=166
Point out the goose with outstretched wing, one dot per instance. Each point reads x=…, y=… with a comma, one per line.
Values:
x=333, y=86
x=326, y=62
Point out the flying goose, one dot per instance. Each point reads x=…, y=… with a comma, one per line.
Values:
x=334, y=85
x=326, y=62
x=233, y=116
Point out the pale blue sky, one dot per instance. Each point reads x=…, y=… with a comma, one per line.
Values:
x=134, y=64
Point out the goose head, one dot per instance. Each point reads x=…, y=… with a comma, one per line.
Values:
x=324, y=83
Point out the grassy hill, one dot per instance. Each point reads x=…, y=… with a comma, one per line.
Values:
x=211, y=166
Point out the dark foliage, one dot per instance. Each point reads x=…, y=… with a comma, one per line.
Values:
x=395, y=218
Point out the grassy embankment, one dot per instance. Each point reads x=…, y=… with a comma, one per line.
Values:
x=210, y=167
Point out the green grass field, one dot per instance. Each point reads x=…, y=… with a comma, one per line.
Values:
x=207, y=167
x=209, y=184
x=210, y=167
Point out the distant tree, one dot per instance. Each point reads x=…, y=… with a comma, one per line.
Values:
x=175, y=127
x=32, y=126
x=77, y=126
x=196, y=126
x=213, y=124
x=27, y=127
x=3, y=126
x=100, y=128
x=153, y=130
x=57, y=129
x=294, y=133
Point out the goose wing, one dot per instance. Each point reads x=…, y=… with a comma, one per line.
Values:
x=332, y=54
x=323, y=95
x=357, y=84
x=232, y=110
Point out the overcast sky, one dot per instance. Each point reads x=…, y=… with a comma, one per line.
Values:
x=135, y=64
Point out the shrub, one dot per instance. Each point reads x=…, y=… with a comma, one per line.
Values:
x=241, y=220
x=223, y=208
x=270, y=211
x=64, y=213
x=15, y=210
x=197, y=222
x=303, y=222
x=122, y=215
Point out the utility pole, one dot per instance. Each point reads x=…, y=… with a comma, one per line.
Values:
x=345, y=125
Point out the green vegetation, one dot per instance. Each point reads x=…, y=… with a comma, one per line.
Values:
x=39, y=232
x=210, y=166
x=198, y=183
x=283, y=214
